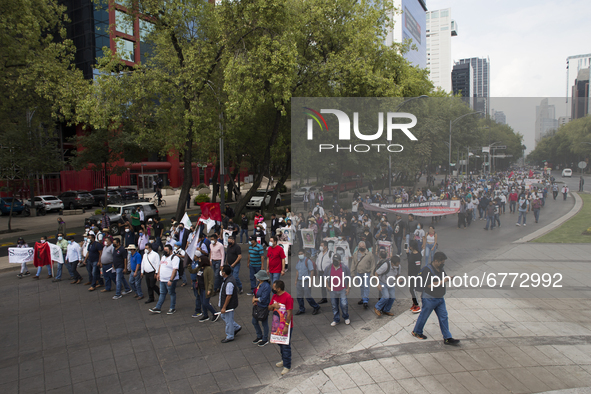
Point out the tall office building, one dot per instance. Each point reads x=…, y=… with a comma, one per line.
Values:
x=461, y=82
x=562, y=120
x=409, y=24
x=480, y=82
x=580, y=95
x=440, y=29
x=546, y=122
x=499, y=117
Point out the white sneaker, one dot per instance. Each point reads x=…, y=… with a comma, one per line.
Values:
x=517, y=224
x=334, y=323
x=524, y=224
x=285, y=370
x=347, y=321
x=279, y=364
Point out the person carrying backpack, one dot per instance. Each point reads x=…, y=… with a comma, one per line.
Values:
x=363, y=264
x=523, y=207
x=387, y=271
x=433, y=280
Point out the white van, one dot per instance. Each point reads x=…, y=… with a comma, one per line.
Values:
x=567, y=172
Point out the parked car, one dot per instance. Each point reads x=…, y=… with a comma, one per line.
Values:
x=299, y=195
x=5, y=203
x=50, y=203
x=257, y=199
x=567, y=172
x=99, y=197
x=127, y=193
x=116, y=210
x=77, y=199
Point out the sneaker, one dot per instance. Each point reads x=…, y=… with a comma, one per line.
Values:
x=197, y=315
x=517, y=224
x=249, y=294
x=416, y=309
x=420, y=336
x=215, y=318
x=116, y=297
x=365, y=305
x=285, y=370
x=171, y=311
x=347, y=321
x=279, y=364
x=155, y=310
x=241, y=291
x=334, y=323
x=257, y=340
x=377, y=312
x=524, y=225
x=262, y=343
x=27, y=273
x=127, y=292
x=20, y=276
x=451, y=341
x=323, y=301
x=204, y=318
x=360, y=302
x=226, y=340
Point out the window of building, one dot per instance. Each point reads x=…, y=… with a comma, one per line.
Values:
x=444, y=13
x=435, y=14
x=126, y=49
x=145, y=45
x=123, y=23
x=445, y=28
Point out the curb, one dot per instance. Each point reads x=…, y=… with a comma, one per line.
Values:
x=555, y=224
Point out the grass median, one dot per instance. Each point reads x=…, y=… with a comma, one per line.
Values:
x=571, y=232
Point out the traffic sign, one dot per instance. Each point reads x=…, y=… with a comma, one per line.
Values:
x=485, y=149
x=502, y=156
x=500, y=147
x=582, y=165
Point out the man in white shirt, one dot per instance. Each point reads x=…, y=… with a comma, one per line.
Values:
x=318, y=210
x=149, y=269
x=323, y=260
x=73, y=256
x=168, y=276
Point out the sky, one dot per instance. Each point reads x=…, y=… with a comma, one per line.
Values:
x=527, y=42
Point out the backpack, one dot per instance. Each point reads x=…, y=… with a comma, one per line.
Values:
x=397, y=227
x=387, y=261
x=421, y=285
x=524, y=205
x=181, y=270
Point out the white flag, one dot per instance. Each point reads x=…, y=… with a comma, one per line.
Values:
x=192, y=248
x=209, y=223
x=56, y=254
x=186, y=221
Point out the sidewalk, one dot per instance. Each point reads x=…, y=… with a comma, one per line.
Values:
x=512, y=340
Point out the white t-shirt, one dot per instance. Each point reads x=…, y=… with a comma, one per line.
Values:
x=167, y=265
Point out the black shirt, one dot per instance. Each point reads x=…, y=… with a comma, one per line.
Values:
x=232, y=253
x=119, y=256
x=436, y=292
x=244, y=223
x=158, y=229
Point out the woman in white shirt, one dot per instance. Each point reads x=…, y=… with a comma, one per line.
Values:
x=419, y=235
x=430, y=245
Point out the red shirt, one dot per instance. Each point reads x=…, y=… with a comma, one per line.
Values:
x=286, y=300
x=274, y=255
x=339, y=274
x=513, y=197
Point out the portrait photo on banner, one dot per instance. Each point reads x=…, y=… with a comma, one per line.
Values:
x=308, y=238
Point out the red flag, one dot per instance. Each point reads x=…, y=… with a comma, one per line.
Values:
x=42, y=255
x=210, y=210
x=531, y=174
x=511, y=175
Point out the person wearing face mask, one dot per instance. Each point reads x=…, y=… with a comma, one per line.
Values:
x=363, y=265
x=168, y=277
x=135, y=269
x=193, y=270
x=387, y=271
x=73, y=256
x=419, y=235
x=63, y=244
x=305, y=269
x=233, y=258
x=216, y=256
x=228, y=302
x=256, y=255
x=261, y=299
x=158, y=230
x=42, y=257
x=434, y=280
x=20, y=243
x=141, y=240
x=95, y=249
x=204, y=286
x=84, y=246
x=168, y=239
x=323, y=260
x=338, y=282
x=149, y=269
x=106, y=263
x=275, y=260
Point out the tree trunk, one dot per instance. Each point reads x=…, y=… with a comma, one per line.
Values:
x=10, y=213
x=107, y=186
x=188, y=178
x=283, y=177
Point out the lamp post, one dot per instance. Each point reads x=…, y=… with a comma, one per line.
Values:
x=451, y=122
x=490, y=154
x=390, y=142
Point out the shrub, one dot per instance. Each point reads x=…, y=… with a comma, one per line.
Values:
x=98, y=211
x=201, y=186
x=202, y=198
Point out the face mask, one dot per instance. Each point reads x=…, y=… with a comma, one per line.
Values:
x=274, y=291
x=301, y=256
x=85, y=238
x=419, y=227
x=166, y=253
x=59, y=238
x=270, y=243
x=42, y=241
x=126, y=230
x=362, y=250
x=321, y=248
x=335, y=263
x=176, y=247
x=340, y=238
x=141, y=234
x=214, y=241
x=198, y=254
x=69, y=242
x=146, y=251
x=168, y=238
x=230, y=243
x=106, y=244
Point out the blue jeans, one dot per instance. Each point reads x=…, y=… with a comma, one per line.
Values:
x=245, y=232
x=387, y=300
x=198, y=302
x=275, y=276
x=536, y=215
x=48, y=270
x=205, y=304
x=264, y=333
x=235, y=272
x=512, y=205
x=286, y=352
x=121, y=282
x=303, y=290
x=430, y=250
x=59, y=271
x=398, y=242
x=429, y=305
x=231, y=325
x=108, y=276
x=165, y=289
x=157, y=244
x=253, y=281
x=336, y=298
x=73, y=269
x=217, y=279
x=490, y=220
x=522, y=214
x=364, y=290
x=135, y=282
x=95, y=273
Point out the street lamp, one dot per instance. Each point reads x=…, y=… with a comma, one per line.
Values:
x=451, y=122
x=490, y=155
x=390, y=142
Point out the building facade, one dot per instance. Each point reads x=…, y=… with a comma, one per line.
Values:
x=461, y=81
x=580, y=95
x=440, y=29
x=546, y=122
x=499, y=117
x=410, y=24
x=480, y=82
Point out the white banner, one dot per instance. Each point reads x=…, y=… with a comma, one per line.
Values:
x=186, y=221
x=192, y=248
x=56, y=254
x=20, y=255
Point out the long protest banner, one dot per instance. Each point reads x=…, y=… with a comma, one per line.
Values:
x=422, y=209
